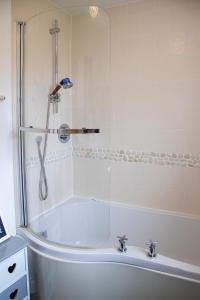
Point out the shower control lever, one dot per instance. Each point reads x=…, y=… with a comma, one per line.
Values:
x=152, y=248
x=122, y=242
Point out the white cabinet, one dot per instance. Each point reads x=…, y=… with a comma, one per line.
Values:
x=14, y=281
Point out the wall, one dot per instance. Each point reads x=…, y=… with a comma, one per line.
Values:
x=23, y=10
x=136, y=77
x=91, y=100
x=6, y=134
x=152, y=158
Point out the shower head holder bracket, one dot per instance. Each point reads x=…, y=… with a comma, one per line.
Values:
x=55, y=98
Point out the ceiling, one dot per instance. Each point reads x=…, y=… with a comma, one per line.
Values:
x=101, y=3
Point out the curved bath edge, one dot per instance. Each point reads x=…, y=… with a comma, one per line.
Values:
x=134, y=256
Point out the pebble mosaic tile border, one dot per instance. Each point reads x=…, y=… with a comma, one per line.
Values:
x=131, y=156
x=51, y=157
x=119, y=155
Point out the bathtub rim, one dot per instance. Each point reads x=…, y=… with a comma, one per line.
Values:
x=69, y=254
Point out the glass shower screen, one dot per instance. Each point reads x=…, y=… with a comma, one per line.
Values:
x=70, y=173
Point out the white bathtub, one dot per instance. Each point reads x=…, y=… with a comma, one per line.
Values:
x=81, y=245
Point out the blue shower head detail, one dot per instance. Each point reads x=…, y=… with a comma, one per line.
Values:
x=66, y=83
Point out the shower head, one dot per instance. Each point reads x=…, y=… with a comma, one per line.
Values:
x=65, y=83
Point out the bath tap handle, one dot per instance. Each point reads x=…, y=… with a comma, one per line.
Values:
x=122, y=243
x=152, y=248
x=122, y=238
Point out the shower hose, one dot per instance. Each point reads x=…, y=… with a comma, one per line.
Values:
x=43, y=185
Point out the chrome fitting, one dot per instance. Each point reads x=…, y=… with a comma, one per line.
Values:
x=55, y=98
x=152, y=248
x=122, y=243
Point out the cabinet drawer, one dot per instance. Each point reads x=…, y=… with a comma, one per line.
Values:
x=16, y=291
x=12, y=268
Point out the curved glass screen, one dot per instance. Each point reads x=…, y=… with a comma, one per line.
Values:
x=67, y=82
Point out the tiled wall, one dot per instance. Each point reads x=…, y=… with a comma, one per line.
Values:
x=136, y=74
x=119, y=155
x=155, y=76
x=148, y=112
x=40, y=17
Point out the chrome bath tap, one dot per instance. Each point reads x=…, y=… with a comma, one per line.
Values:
x=122, y=242
x=152, y=248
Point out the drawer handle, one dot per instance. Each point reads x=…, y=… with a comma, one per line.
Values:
x=12, y=268
x=13, y=295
